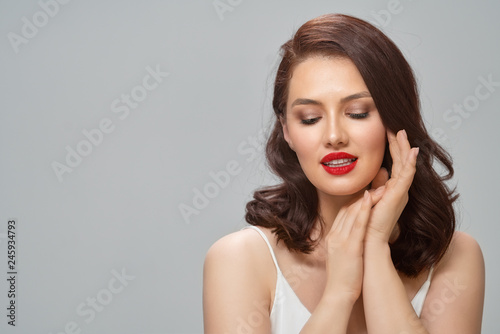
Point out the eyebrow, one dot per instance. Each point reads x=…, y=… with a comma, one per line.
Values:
x=305, y=101
x=359, y=95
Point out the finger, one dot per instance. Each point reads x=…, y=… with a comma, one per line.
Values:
x=408, y=172
x=359, y=228
x=395, y=154
x=377, y=194
x=339, y=221
x=404, y=145
x=401, y=185
x=380, y=179
x=399, y=152
x=346, y=217
x=350, y=218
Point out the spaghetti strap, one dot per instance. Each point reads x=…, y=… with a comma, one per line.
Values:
x=431, y=271
x=288, y=314
x=419, y=299
x=267, y=242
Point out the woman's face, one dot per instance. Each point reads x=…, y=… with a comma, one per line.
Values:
x=333, y=126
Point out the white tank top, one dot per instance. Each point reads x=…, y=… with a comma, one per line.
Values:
x=289, y=315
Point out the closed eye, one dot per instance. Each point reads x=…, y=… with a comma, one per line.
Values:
x=310, y=121
x=359, y=115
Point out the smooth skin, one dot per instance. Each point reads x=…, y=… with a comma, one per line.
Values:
x=348, y=283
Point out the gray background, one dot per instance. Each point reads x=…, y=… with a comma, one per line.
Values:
x=119, y=209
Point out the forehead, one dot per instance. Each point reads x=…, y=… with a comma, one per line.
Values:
x=325, y=78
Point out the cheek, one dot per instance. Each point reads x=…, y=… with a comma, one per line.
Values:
x=379, y=141
x=375, y=140
x=305, y=142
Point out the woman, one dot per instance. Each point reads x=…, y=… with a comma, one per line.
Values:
x=360, y=236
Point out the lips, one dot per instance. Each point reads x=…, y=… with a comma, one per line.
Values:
x=338, y=163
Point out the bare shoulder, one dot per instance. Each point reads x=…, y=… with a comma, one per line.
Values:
x=456, y=295
x=240, y=261
x=463, y=259
x=241, y=248
x=464, y=252
x=238, y=277
x=465, y=239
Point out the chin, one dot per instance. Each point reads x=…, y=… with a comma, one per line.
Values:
x=343, y=191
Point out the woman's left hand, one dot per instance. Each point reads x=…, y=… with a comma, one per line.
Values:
x=386, y=212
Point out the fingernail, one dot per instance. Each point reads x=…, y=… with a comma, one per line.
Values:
x=415, y=152
x=367, y=197
x=405, y=135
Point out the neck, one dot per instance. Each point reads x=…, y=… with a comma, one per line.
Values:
x=330, y=205
x=328, y=208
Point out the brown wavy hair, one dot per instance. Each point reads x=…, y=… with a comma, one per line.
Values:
x=290, y=209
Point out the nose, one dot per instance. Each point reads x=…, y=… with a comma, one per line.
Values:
x=336, y=134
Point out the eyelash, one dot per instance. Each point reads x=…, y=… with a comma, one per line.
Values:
x=310, y=121
x=358, y=116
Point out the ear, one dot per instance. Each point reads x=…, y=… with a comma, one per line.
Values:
x=286, y=135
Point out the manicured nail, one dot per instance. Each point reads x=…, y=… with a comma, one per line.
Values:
x=415, y=153
x=367, y=197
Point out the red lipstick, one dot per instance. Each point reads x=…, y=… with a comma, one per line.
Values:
x=339, y=163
